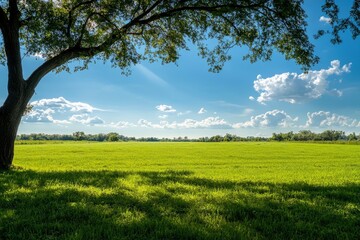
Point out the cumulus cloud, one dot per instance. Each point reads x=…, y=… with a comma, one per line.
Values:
x=202, y=111
x=296, y=88
x=53, y=109
x=165, y=108
x=40, y=115
x=148, y=124
x=327, y=119
x=61, y=104
x=325, y=19
x=122, y=124
x=86, y=119
x=210, y=122
x=274, y=118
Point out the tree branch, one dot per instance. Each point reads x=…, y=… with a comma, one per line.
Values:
x=10, y=30
x=139, y=17
x=14, y=12
x=57, y=61
x=78, y=43
x=70, y=19
x=210, y=9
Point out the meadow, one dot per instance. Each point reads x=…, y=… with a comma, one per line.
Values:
x=82, y=190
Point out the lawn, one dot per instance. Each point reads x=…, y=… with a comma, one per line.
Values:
x=81, y=190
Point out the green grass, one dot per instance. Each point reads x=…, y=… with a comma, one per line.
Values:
x=181, y=191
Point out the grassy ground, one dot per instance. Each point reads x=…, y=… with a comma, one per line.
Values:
x=182, y=191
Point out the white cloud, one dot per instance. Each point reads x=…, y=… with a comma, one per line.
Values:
x=210, y=122
x=51, y=110
x=251, y=98
x=61, y=104
x=122, y=124
x=327, y=119
x=325, y=19
x=148, y=124
x=86, y=119
x=165, y=108
x=274, y=118
x=41, y=116
x=202, y=111
x=150, y=75
x=296, y=88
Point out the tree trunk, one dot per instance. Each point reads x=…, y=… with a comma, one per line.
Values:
x=8, y=131
x=10, y=117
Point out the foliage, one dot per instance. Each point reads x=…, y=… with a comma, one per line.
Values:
x=182, y=191
x=338, y=24
x=112, y=137
x=78, y=136
x=306, y=135
x=127, y=32
x=303, y=135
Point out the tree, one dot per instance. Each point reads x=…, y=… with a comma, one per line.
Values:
x=112, y=137
x=127, y=32
x=79, y=136
x=352, y=137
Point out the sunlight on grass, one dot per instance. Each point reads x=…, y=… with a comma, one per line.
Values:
x=182, y=191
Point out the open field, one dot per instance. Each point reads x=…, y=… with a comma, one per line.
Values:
x=181, y=191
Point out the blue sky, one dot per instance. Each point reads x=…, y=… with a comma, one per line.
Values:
x=187, y=100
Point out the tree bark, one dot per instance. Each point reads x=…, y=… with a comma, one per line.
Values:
x=8, y=129
x=10, y=117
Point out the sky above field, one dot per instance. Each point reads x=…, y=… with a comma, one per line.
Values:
x=187, y=100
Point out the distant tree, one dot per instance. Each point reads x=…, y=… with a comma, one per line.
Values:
x=352, y=137
x=229, y=137
x=112, y=137
x=79, y=136
x=331, y=135
x=216, y=138
x=305, y=135
x=127, y=32
x=277, y=137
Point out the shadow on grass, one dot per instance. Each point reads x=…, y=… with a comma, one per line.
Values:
x=171, y=205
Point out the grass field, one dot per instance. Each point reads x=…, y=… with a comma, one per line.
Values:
x=181, y=191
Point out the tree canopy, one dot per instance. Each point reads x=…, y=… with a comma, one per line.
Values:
x=127, y=32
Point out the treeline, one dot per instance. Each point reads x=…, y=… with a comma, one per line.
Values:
x=305, y=135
